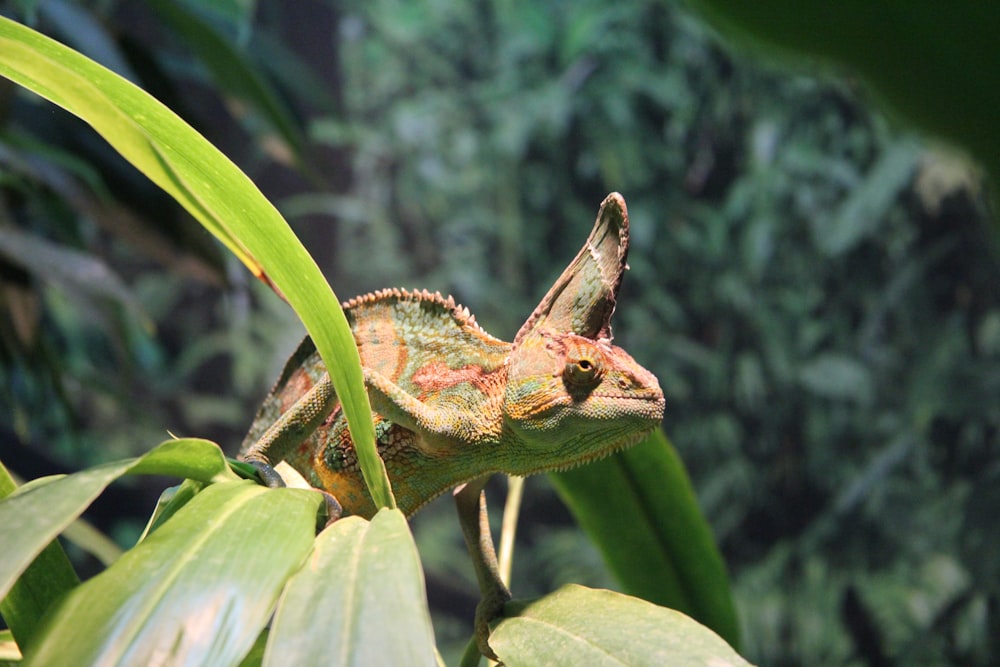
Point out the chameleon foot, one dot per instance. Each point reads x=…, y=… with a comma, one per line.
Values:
x=267, y=474
x=333, y=509
x=489, y=609
x=272, y=479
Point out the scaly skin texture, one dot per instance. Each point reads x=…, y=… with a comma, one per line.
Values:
x=452, y=404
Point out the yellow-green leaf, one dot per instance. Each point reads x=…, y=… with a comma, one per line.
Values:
x=216, y=193
x=36, y=513
x=364, y=584
x=597, y=628
x=640, y=510
x=198, y=591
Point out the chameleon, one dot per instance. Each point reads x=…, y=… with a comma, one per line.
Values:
x=452, y=405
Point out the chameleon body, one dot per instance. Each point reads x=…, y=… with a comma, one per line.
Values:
x=453, y=405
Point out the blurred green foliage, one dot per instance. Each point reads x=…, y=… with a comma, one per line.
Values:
x=934, y=64
x=814, y=287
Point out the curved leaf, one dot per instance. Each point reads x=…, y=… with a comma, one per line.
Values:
x=190, y=458
x=46, y=579
x=640, y=510
x=197, y=591
x=597, y=628
x=363, y=582
x=36, y=513
x=216, y=193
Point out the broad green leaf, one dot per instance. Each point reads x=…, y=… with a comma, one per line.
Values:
x=364, y=585
x=640, y=510
x=216, y=193
x=36, y=513
x=597, y=628
x=34, y=570
x=933, y=65
x=190, y=458
x=197, y=591
x=47, y=578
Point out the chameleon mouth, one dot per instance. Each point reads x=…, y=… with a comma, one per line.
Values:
x=629, y=408
x=649, y=404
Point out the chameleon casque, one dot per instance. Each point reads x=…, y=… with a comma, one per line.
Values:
x=452, y=404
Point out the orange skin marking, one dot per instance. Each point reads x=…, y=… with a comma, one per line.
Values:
x=437, y=376
x=391, y=366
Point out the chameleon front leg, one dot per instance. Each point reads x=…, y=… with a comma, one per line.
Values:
x=290, y=429
x=398, y=406
x=471, y=503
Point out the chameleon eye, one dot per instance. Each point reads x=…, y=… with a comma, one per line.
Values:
x=581, y=372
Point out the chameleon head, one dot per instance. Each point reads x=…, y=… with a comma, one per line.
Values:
x=571, y=399
x=571, y=395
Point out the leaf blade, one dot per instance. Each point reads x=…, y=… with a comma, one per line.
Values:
x=216, y=193
x=197, y=591
x=47, y=577
x=664, y=552
x=577, y=625
x=35, y=514
x=362, y=578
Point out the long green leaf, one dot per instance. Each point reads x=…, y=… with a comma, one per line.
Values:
x=46, y=579
x=198, y=591
x=363, y=582
x=216, y=193
x=36, y=513
x=581, y=626
x=640, y=510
